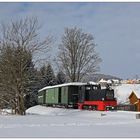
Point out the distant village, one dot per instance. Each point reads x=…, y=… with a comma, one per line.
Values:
x=103, y=82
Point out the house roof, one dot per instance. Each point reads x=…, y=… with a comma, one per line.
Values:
x=122, y=92
x=102, y=81
x=137, y=93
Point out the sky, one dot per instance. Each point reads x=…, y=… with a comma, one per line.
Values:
x=115, y=27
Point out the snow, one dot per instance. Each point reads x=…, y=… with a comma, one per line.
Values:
x=48, y=122
x=69, y=84
x=92, y=83
x=122, y=92
x=66, y=84
x=109, y=81
x=102, y=81
x=5, y=111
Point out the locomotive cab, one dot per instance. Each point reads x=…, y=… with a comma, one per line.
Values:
x=109, y=95
x=85, y=92
x=92, y=97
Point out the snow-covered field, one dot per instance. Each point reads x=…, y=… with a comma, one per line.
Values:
x=57, y=122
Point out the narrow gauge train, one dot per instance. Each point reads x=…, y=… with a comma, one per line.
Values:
x=78, y=95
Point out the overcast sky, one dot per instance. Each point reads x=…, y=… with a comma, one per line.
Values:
x=115, y=27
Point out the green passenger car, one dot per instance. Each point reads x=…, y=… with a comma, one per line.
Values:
x=61, y=95
x=64, y=95
x=52, y=96
x=69, y=95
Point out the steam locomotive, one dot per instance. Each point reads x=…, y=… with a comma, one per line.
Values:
x=78, y=95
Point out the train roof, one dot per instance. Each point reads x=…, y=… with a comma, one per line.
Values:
x=62, y=85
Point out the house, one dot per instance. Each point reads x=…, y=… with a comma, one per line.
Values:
x=127, y=96
x=134, y=99
x=110, y=82
x=123, y=91
x=104, y=83
x=115, y=81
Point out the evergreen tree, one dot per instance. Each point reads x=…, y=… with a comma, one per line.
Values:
x=61, y=78
x=47, y=76
x=50, y=76
x=42, y=76
x=43, y=71
x=19, y=41
x=32, y=86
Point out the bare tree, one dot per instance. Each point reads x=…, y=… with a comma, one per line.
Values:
x=77, y=56
x=19, y=41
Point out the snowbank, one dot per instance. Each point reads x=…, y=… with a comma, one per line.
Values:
x=5, y=111
x=50, y=111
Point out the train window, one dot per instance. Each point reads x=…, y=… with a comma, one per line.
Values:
x=88, y=88
x=109, y=95
x=94, y=87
